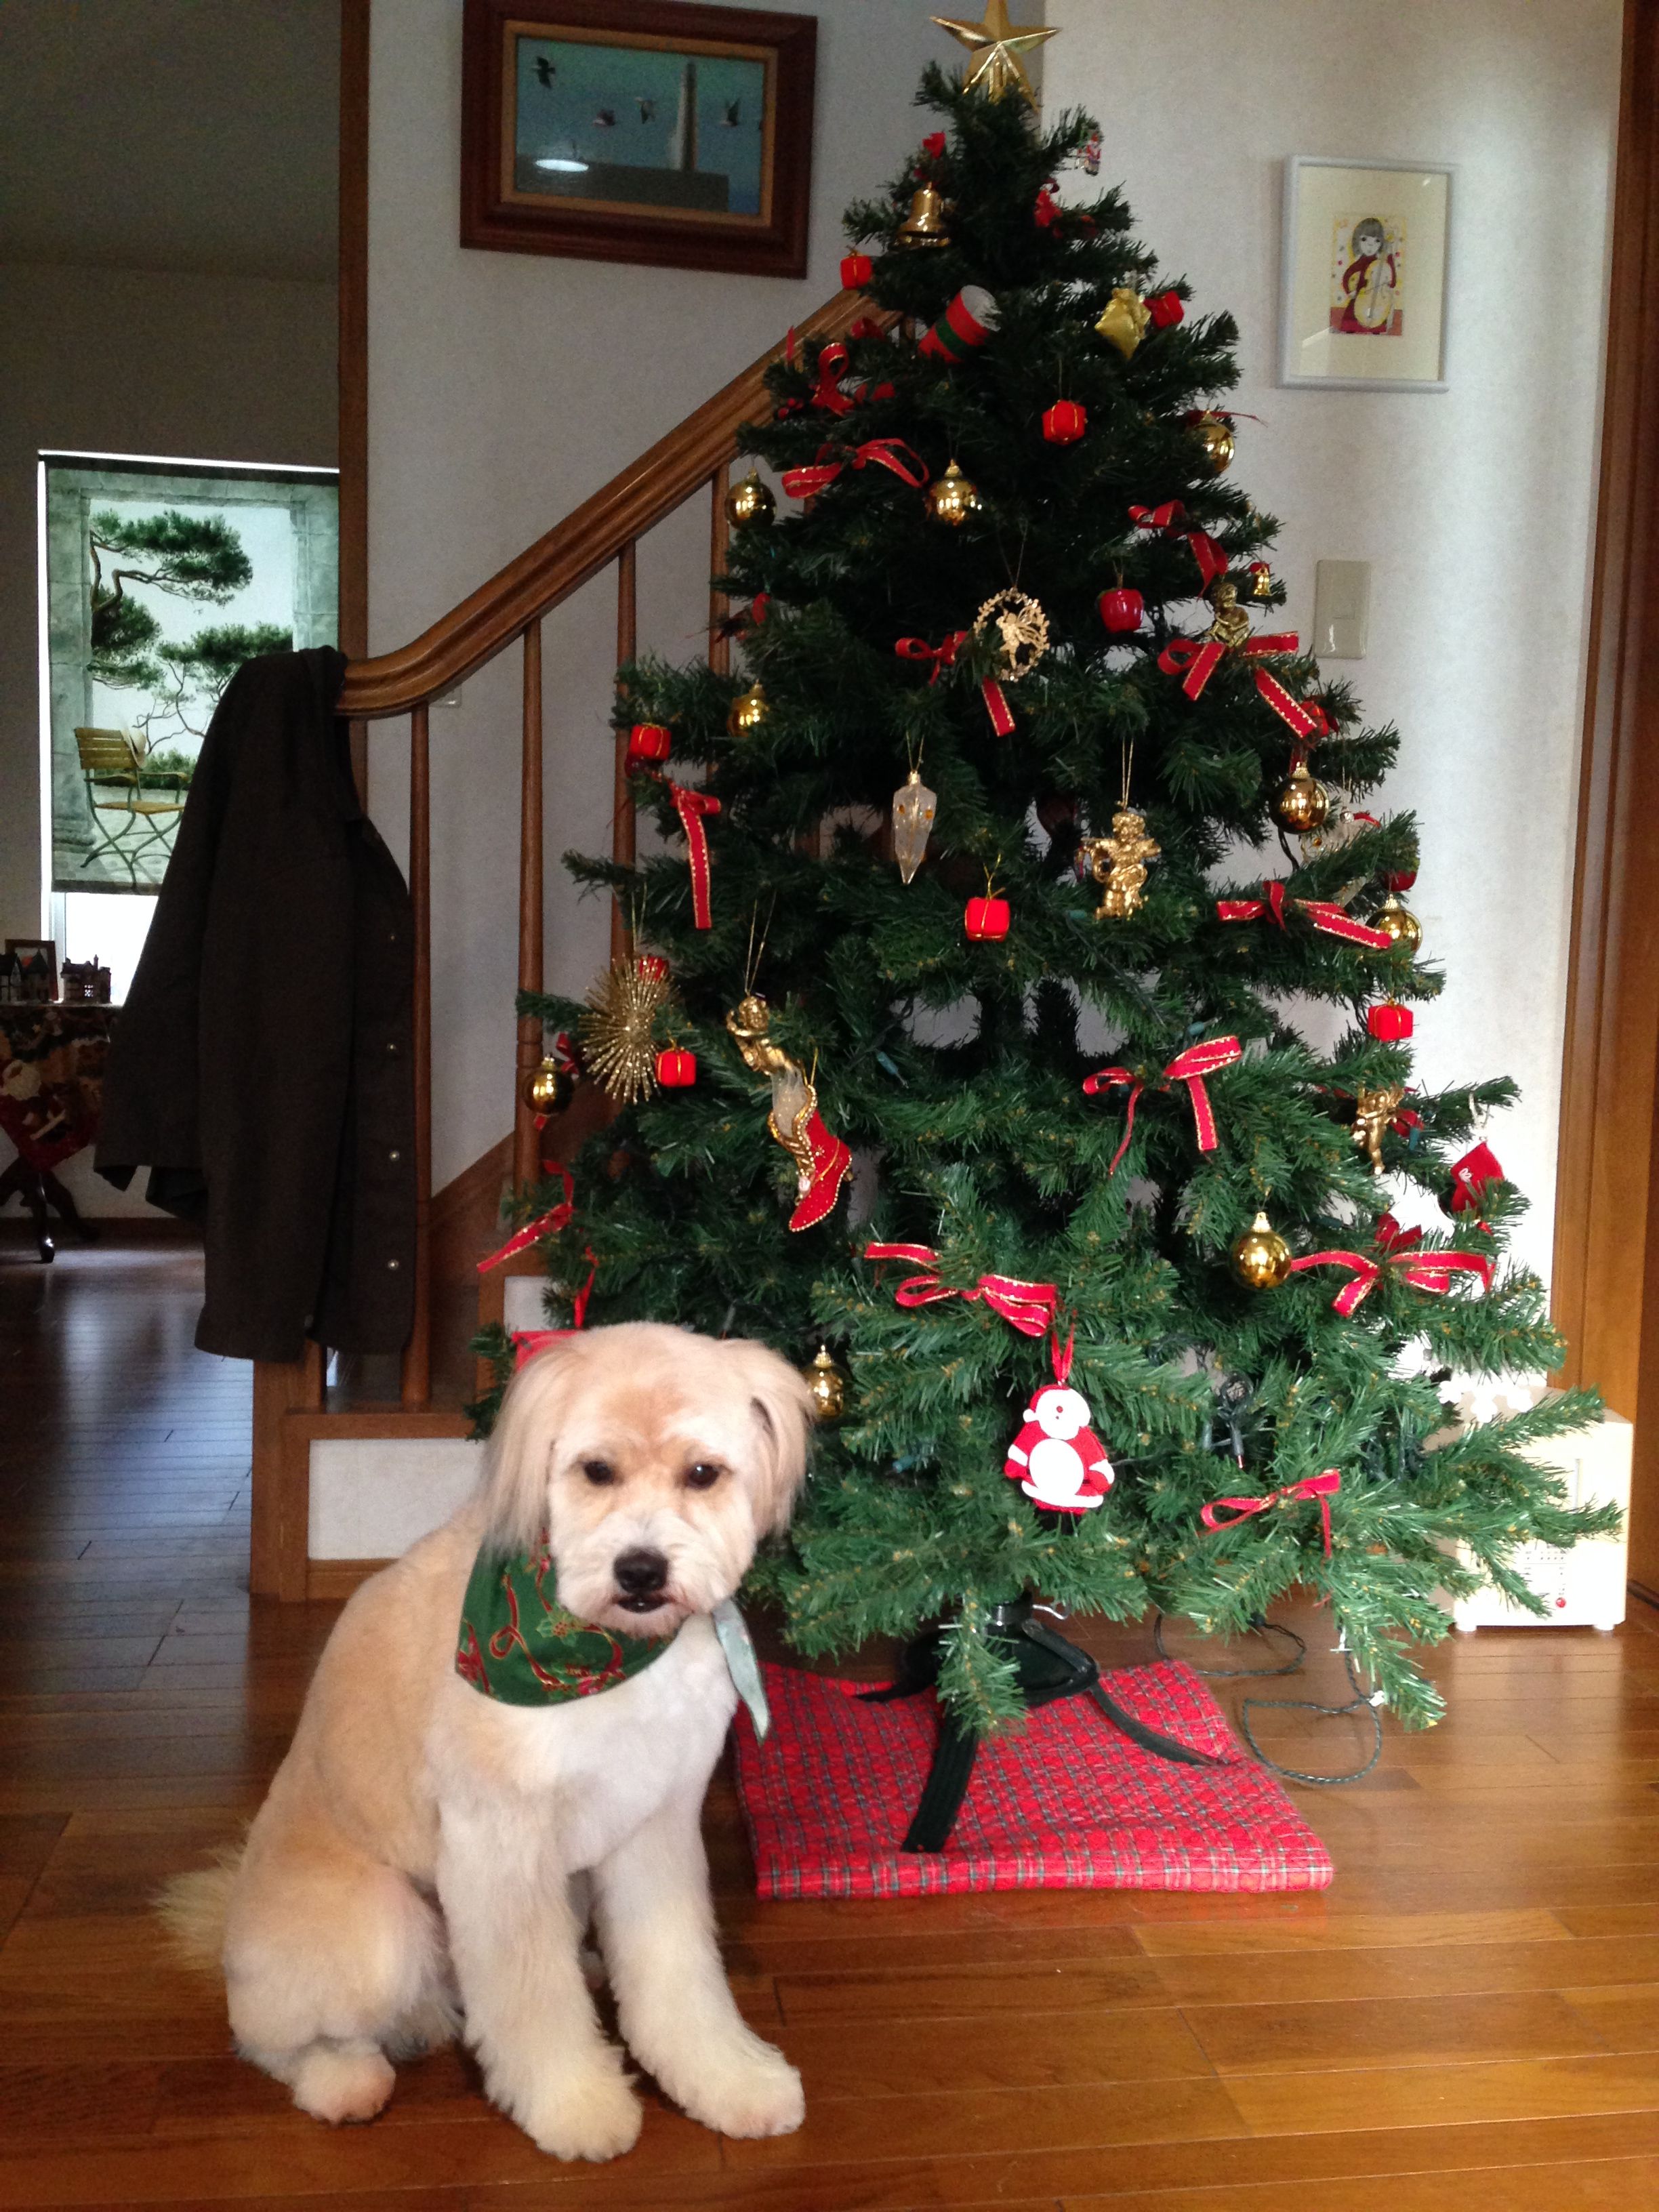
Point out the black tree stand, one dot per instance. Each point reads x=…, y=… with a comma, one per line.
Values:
x=1049, y=1666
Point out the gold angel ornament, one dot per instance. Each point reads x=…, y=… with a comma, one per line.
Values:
x=1373, y=1110
x=1120, y=863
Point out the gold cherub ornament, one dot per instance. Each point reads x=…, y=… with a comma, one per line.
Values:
x=1231, y=626
x=1373, y=1110
x=1119, y=862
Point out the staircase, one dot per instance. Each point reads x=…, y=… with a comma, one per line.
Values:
x=349, y=1467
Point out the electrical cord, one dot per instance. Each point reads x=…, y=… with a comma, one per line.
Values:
x=1360, y=1702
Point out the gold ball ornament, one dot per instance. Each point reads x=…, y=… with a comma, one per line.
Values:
x=1400, y=923
x=953, y=498
x=1215, y=434
x=747, y=711
x=1301, y=805
x=749, y=501
x=827, y=1385
x=1123, y=321
x=926, y=223
x=1262, y=1258
x=550, y=1088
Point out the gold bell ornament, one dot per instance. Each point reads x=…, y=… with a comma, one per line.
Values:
x=1262, y=1258
x=827, y=1386
x=1123, y=321
x=1301, y=803
x=953, y=498
x=747, y=711
x=925, y=224
x=1215, y=434
x=1261, y=580
x=550, y=1088
x=1400, y=923
x=914, y=809
x=749, y=501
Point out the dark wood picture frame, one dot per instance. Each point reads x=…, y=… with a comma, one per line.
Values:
x=498, y=213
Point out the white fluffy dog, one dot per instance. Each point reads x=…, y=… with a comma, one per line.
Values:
x=426, y=1851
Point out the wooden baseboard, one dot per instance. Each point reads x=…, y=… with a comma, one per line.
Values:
x=336, y=1579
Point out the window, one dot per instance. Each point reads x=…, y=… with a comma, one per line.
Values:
x=159, y=579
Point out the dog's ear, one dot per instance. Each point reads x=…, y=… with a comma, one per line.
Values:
x=782, y=1406
x=521, y=1446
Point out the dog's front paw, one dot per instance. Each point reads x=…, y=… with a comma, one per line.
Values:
x=753, y=2091
x=589, y=2114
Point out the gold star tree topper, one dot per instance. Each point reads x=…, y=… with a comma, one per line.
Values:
x=997, y=46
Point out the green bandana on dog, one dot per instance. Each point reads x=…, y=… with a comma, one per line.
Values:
x=519, y=1644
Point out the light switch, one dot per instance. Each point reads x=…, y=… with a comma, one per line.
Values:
x=1342, y=606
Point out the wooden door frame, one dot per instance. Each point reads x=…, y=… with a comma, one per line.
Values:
x=354, y=351
x=1606, y=1186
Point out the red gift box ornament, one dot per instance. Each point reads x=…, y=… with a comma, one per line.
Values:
x=856, y=271
x=1389, y=1023
x=1400, y=880
x=963, y=327
x=677, y=1069
x=1121, y=610
x=1165, y=310
x=647, y=744
x=987, y=918
x=1065, y=423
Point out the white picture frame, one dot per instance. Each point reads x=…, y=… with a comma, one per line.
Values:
x=1364, y=288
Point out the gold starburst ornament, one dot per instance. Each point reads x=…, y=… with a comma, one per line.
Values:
x=998, y=48
x=618, y=1028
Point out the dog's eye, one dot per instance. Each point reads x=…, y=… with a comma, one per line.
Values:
x=599, y=1471
x=703, y=1476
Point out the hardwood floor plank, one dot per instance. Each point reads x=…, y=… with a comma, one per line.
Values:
x=1426, y=2096
x=1273, y=2038
x=1355, y=1931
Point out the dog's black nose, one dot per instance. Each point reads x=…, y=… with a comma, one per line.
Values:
x=641, y=1573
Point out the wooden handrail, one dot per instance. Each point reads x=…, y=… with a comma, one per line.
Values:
x=575, y=549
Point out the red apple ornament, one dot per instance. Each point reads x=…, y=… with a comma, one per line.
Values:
x=1121, y=610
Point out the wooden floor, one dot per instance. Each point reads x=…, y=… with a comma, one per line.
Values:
x=1468, y=2022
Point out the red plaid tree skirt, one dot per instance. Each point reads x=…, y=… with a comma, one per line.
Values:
x=1067, y=1803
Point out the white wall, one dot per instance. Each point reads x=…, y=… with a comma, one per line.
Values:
x=1475, y=508
x=130, y=360
x=503, y=389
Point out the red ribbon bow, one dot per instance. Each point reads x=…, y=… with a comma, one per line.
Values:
x=1198, y=658
x=1029, y=1307
x=1171, y=519
x=806, y=482
x=1323, y=1487
x=943, y=655
x=1434, y=1272
x=692, y=807
x=1391, y=1237
x=1190, y=1067
x=1323, y=913
x=832, y=365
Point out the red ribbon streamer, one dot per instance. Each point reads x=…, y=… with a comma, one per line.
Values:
x=832, y=365
x=1198, y=658
x=1190, y=1067
x=1323, y=913
x=1171, y=519
x=545, y=1224
x=1029, y=1307
x=1424, y=1271
x=805, y=483
x=997, y=706
x=942, y=656
x=1323, y=1487
x=692, y=807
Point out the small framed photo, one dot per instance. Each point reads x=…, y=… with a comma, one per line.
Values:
x=653, y=130
x=1363, y=302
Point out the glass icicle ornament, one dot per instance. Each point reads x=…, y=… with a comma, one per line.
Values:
x=616, y=1030
x=914, y=808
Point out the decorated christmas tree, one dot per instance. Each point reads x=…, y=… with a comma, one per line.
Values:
x=1016, y=1030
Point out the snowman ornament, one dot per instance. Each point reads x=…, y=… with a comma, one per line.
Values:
x=1056, y=1459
